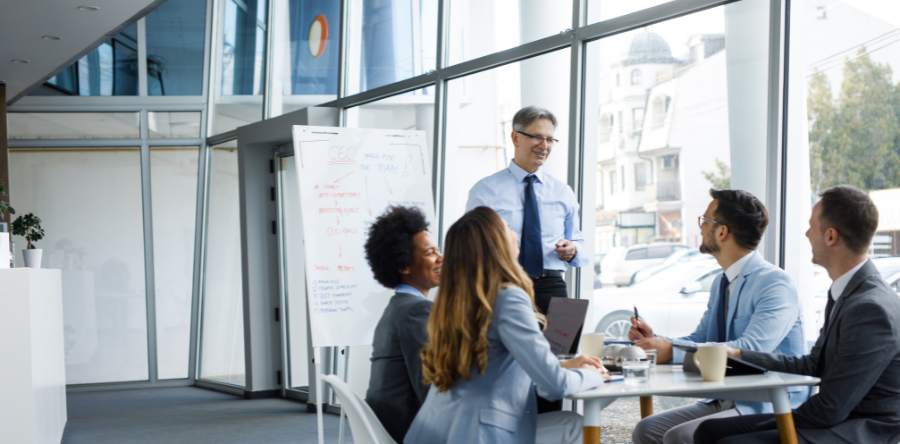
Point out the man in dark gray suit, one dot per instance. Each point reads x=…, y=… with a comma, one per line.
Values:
x=857, y=355
x=404, y=256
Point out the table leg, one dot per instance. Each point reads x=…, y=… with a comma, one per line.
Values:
x=646, y=406
x=783, y=416
x=591, y=430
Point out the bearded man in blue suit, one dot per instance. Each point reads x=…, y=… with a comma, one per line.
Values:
x=753, y=305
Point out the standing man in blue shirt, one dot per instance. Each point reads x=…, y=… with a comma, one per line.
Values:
x=540, y=208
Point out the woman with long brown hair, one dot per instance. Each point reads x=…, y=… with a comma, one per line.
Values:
x=486, y=351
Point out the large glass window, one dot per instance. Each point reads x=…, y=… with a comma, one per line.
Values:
x=94, y=235
x=241, y=52
x=480, y=109
x=162, y=125
x=307, y=35
x=479, y=28
x=109, y=70
x=390, y=40
x=600, y=10
x=702, y=79
x=175, y=37
x=850, y=81
x=173, y=179
x=222, y=334
x=74, y=126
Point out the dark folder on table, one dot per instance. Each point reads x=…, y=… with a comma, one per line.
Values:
x=565, y=319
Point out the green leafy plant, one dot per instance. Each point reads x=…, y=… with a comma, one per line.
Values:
x=4, y=205
x=29, y=227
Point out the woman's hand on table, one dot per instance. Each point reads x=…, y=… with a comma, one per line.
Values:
x=589, y=363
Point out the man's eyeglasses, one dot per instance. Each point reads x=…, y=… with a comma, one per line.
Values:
x=538, y=139
x=702, y=219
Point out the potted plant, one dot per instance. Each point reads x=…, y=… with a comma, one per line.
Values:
x=29, y=227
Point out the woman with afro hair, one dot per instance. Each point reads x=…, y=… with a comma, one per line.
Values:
x=404, y=256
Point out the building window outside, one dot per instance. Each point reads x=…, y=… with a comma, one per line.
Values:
x=660, y=105
x=176, y=33
x=637, y=115
x=640, y=176
x=622, y=177
x=636, y=77
x=605, y=127
x=612, y=181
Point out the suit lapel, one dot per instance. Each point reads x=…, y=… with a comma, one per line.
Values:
x=739, y=282
x=861, y=275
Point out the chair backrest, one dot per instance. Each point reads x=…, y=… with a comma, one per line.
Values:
x=366, y=427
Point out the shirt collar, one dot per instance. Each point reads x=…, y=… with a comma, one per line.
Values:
x=520, y=174
x=409, y=289
x=840, y=284
x=735, y=269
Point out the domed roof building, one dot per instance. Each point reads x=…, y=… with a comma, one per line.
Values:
x=649, y=48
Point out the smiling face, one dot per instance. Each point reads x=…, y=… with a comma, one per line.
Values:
x=529, y=155
x=424, y=272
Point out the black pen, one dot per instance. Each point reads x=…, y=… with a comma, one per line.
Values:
x=637, y=318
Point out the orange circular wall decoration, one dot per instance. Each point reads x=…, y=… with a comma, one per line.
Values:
x=318, y=36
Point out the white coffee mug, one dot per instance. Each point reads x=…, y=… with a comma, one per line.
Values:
x=711, y=359
x=592, y=344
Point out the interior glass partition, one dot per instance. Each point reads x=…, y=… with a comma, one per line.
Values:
x=94, y=235
x=173, y=179
x=669, y=109
x=176, y=32
x=222, y=313
x=293, y=277
x=109, y=70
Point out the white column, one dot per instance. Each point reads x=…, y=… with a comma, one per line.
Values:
x=545, y=79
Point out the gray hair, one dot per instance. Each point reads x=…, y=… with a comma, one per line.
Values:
x=529, y=114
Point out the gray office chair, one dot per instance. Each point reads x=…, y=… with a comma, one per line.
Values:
x=366, y=427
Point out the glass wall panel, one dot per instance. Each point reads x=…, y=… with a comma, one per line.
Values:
x=241, y=53
x=173, y=179
x=480, y=109
x=307, y=35
x=479, y=28
x=164, y=125
x=89, y=202
x=74, y=125
x=175, y=37
x=390, y=40
x=669, y=109
x=294, y=276
x=851, y=87
x=222, y=333
x=109, y=70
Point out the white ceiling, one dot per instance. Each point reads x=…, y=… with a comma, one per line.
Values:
x=23, y=23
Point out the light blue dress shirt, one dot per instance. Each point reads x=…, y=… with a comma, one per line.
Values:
x=409, y=289
x=504, y=192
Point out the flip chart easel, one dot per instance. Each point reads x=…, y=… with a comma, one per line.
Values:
x=348, y=177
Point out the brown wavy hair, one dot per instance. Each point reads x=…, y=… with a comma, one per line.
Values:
x=478, y=262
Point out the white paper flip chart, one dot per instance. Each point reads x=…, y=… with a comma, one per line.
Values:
x=348, y=177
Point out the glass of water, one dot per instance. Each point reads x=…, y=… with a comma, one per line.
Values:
x=651, y=355
x=636, y=371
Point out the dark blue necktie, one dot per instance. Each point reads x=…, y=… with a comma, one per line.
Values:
x=723, y=309
x=531, y=256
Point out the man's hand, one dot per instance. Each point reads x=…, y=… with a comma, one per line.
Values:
x=565, y=250
x=639, y=330
x=662, y=346
x=733, y=352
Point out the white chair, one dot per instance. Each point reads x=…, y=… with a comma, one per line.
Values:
x=366, y=427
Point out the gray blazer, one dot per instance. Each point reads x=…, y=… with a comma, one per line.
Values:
x=395, y=387
x=859, y=354
x=500, y=406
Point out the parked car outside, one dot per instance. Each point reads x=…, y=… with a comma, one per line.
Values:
x=889, y=267
x=621, y=263
x=672, y=301
x=685, y=255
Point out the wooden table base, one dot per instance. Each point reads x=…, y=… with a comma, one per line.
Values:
x=591, y=435
x=646, y=406
x=786, y=430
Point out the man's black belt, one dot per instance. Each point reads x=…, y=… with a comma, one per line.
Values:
x=549, y=273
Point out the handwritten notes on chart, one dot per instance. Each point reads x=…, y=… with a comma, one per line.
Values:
x=348, y=177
